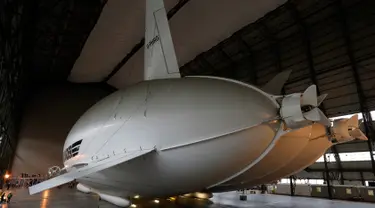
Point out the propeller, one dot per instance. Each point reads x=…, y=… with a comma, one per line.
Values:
x=309, y=97
x=310, y=102
x=321, y=98
x=298, y=109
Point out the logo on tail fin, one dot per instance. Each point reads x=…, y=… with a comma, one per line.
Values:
x=152, y=41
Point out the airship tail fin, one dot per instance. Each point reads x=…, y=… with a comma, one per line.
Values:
x=87, y=170
x=345, y=130
x=277, y=82
x=160, y=58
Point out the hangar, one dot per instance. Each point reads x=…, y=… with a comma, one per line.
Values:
x=60, y=57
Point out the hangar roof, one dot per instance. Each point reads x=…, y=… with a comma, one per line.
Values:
x=196, y=26
x=327, y=43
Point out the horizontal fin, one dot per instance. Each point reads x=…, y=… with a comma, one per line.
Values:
x=86, y=170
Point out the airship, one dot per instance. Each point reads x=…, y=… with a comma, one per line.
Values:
x=170, y=135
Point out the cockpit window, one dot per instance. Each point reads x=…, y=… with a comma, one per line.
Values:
x=72, y=150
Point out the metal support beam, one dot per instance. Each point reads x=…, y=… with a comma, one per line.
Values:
x=253, y=79
x=327, y=177
x=345, y=170
x=139, y=45
x=339, y=164
x=276, y=51
x=307, y=42
x=292, y=190
x=362, y=179
x=354, y=65
x=275, y=46
x=232, y=72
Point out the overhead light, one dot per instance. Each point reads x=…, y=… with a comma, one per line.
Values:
x=136, y=197
x=6, y=176
x=156, y=201
x=133, y=205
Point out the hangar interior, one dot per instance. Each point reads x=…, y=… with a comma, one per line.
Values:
x=57, y=58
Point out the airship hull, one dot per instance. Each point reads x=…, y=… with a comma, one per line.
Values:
x=170, y=113
x=205, y=130
x=183, y=169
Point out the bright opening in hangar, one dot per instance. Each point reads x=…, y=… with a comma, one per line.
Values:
x=141, y=101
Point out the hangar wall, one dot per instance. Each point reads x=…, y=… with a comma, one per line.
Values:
x=47, y=120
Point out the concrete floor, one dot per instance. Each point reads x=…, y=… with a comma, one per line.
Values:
x=65, y=197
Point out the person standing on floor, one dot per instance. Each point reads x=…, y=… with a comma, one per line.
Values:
x=9, y=197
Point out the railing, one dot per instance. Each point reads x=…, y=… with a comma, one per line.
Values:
x=24, y=182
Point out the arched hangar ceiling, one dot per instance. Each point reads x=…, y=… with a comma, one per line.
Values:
x=328, y=43
x=196, y=27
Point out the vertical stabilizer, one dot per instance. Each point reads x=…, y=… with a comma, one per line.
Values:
x=277, y=83
x=160, y=57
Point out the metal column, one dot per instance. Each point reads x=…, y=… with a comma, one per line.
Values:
x=362, y=179
x=307, y=42
x=292, y=191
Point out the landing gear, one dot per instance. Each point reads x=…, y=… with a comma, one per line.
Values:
x=199, y=195
x=243, y=197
